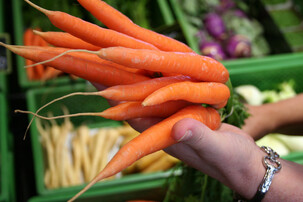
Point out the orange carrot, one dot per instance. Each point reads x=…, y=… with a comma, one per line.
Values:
x=131, y=110
x=139, y=91
x=39, y=69
x=65, y=40
x=220, y=105
x=196, y=66
x=28, y=40
x=50, y=73
x=153, y=139
x=115, y=20
x=196, y=92
x=123, y=111
x=88, y=70
x=91, y=33
x=87, y=56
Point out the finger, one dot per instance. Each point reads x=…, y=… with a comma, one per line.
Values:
x=193, y=133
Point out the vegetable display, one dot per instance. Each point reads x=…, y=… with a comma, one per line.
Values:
x=284, y=144
x=223, y=29
x=182, y=73
x=75, y=155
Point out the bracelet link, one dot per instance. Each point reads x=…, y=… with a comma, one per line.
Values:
x=272, y=166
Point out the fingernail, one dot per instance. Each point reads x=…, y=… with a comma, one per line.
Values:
x=186, y=135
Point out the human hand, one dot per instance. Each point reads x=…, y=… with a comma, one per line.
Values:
x=260, y=122
x=227, y=154
x=230, y=156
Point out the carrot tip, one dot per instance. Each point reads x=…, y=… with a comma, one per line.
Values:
x=9, y=47
x=3, y=44
x=43, y=10
x=37, y=32
x=145, y=104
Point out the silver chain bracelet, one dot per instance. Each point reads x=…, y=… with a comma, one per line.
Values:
x=272, y=166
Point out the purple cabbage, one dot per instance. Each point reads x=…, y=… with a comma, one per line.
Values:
x=214, y=25
x=213, y=50
x=238, y=46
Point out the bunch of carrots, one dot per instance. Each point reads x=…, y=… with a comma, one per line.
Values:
x=38, y=72
x=125, y=58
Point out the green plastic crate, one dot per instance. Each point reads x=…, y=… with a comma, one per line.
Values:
x=162, y=16
x=4, y=166
x=266, y=73
x=3, y=85
x=136, y=187
x=125, y=187
x=295, y=157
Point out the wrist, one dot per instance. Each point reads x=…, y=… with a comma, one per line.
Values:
x=249, y=179
x=272, y=119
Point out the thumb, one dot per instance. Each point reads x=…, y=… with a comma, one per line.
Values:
x=194, y=134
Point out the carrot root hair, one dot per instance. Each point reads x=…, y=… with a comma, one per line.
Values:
x=57, y=117
x=51, y=102
x=60, y=55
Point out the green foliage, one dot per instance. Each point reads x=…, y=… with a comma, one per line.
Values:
x=194, y=186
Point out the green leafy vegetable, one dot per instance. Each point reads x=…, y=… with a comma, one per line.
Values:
x=285, y=90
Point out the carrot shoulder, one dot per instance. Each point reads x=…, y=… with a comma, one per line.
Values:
x=196, y=92
x=115, y=20
x=153, y=139
x=91, y=33
x=196, y=66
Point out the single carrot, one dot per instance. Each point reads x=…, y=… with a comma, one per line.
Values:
x=27, y=40
x=125, y=111
x=196, y=66
x=116, y=20
x=155, y=138
x=139, y=91
x=91, y=33
x=196, y=92
x=88, y=70
x=65, y=40
x=134, y=109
